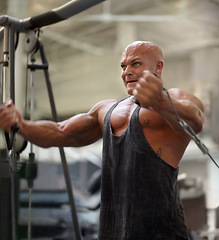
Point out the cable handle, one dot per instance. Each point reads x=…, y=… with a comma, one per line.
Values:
x=10, y=140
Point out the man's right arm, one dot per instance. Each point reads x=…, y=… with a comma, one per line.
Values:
x=79, y=130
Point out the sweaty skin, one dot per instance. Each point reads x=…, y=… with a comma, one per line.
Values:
x=139, y=62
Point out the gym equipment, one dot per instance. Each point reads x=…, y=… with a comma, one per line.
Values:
x=9, y=156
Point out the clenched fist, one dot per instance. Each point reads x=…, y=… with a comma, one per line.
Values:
x=9, y=116
x=148, y=90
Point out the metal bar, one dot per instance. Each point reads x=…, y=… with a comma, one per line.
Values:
x=50, y=17
x=12, y=155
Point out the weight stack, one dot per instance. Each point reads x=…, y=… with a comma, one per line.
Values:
x=5, y=197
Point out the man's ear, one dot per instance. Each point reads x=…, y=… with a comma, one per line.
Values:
x=159, y=67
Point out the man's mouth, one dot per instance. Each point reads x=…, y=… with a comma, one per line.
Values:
x=131, y=81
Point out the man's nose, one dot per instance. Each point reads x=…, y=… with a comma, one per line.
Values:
x=129, y=71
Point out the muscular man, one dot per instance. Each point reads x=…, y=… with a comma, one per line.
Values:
x=142, y=148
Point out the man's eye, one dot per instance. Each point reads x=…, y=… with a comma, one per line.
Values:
x=136, y=63
x=123, y=67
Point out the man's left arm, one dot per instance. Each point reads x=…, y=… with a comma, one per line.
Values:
x=149, y=92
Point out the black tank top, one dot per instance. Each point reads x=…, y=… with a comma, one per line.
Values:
x=139, y=197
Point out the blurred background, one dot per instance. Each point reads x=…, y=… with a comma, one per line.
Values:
x=84, y=55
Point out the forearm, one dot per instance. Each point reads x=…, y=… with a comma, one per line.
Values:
x=191, y=111
x=41, y=133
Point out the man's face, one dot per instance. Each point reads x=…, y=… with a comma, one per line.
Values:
x=134, y=61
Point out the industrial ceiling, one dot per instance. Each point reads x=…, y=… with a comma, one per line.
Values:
x=177, y=25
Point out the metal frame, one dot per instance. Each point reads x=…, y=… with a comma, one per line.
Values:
x=11, y=28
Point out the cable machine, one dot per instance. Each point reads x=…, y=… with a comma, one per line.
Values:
x=9, y=156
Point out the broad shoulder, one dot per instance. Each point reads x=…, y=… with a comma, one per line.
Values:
x=102, y=106
x=100, y=109
x=179, y=94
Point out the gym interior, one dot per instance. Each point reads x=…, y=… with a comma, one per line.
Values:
x=78, y=65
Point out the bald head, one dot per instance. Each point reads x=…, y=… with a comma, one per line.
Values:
x=149, y=48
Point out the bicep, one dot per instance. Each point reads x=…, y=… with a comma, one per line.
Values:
x=86, y=128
